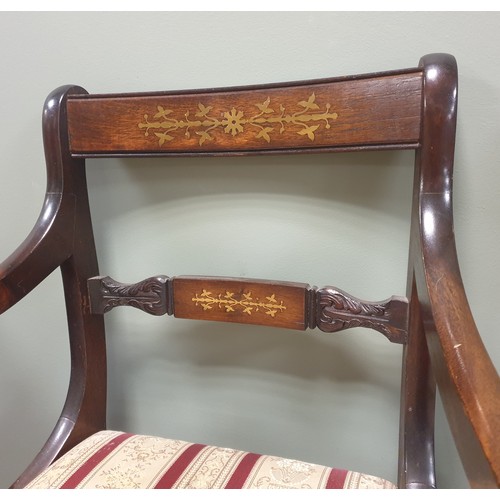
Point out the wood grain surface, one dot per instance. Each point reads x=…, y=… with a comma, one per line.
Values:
x=256, y=302
x=380, y=110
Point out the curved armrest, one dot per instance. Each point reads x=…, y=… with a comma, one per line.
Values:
x=50, y=242
x=466, y=377
x=46, y=247
x=467, y=380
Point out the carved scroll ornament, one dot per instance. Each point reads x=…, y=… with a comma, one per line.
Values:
x=289, y=305
x=149, y=295
x=337, y=310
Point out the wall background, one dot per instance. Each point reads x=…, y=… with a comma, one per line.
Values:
x=273, y=391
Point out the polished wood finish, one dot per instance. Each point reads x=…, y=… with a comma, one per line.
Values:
x=279, y=304
x=363, y=111
x=413, y=108
x=337, y=310
x=416, y=469
x=467, y=380
x=255, y=302
x=63, y=237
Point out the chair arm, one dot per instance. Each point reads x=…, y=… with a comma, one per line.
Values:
x=467, y=379
x=46, y=247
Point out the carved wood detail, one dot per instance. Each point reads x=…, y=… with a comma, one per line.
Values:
x=149, y=295
x=272, y=303
x=337, y=310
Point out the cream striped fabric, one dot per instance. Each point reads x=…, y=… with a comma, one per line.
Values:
x=111, y=459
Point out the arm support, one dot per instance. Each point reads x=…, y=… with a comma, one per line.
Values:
x=45, y=248
x=467, y=380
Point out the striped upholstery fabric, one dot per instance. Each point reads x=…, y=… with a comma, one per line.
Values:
x=111, y=459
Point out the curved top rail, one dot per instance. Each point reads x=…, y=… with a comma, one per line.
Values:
x=367, y=111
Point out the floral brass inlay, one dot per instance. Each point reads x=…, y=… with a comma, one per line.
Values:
x=267, y=121
x=246, y=304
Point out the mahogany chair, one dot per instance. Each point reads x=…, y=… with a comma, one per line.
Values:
x=406, y=109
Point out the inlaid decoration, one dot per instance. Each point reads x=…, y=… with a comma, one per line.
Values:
x=245, y=303
x=268, y=120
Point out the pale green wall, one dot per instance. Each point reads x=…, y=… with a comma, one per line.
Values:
x=287, y=393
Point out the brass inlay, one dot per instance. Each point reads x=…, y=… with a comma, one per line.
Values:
x=233, y=122
x=246, y=303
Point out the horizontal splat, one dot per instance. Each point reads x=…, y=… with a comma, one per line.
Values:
x=296, y=306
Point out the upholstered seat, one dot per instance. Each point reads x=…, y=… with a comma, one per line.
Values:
x=110, y=459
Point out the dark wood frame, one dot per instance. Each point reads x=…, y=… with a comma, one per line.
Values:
x=441, y=342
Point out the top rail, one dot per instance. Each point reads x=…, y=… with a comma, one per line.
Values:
x=370, y=111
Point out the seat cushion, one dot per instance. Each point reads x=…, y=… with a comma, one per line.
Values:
x=112, y=459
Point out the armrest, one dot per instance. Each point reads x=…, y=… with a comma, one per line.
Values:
x=467, y=380
x=46, y=247
x=50, y=242
x=466, y=377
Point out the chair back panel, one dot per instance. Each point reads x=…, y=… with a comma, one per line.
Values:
x=409, y=108
x=380, y=110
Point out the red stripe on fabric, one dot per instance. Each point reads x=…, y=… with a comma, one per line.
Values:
x=336, y=479
x=179, y=466
x=242, y=471
x=80, y=474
